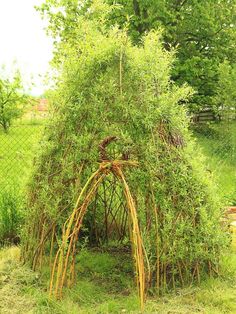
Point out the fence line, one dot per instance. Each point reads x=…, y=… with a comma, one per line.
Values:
x=17, y=149
x=19, y=146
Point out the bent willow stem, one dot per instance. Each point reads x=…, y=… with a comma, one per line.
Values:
x=66, y=251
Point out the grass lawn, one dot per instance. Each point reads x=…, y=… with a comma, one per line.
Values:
x=105, y=285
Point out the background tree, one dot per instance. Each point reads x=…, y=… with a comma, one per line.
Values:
x=202, y=31
x=11, y=98
x=225, y=92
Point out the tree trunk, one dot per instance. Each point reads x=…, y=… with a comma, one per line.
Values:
x=5, y=125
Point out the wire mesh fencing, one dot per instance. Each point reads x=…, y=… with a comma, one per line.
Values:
x=17, y=149
x=19, y=146
x=218, y=143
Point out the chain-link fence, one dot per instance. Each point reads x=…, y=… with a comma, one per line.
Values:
x=19, y=145
x=218, y=143
x=17, y=148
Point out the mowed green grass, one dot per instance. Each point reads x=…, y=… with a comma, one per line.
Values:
x=17, y=149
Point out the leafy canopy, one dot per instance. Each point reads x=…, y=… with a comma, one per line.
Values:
x=226, y=92
x=202, y=31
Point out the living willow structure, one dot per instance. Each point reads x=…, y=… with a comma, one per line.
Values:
x=117, y=163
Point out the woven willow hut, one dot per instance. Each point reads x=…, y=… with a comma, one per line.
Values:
x=118, y=159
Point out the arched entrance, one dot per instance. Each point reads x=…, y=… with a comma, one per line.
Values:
x=64, y=263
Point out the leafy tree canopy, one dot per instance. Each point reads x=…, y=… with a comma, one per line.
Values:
x=202, y=31
x=225, y=92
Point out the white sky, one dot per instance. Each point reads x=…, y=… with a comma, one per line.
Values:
x=22, y=38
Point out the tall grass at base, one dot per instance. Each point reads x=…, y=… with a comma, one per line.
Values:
x=10, y=215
